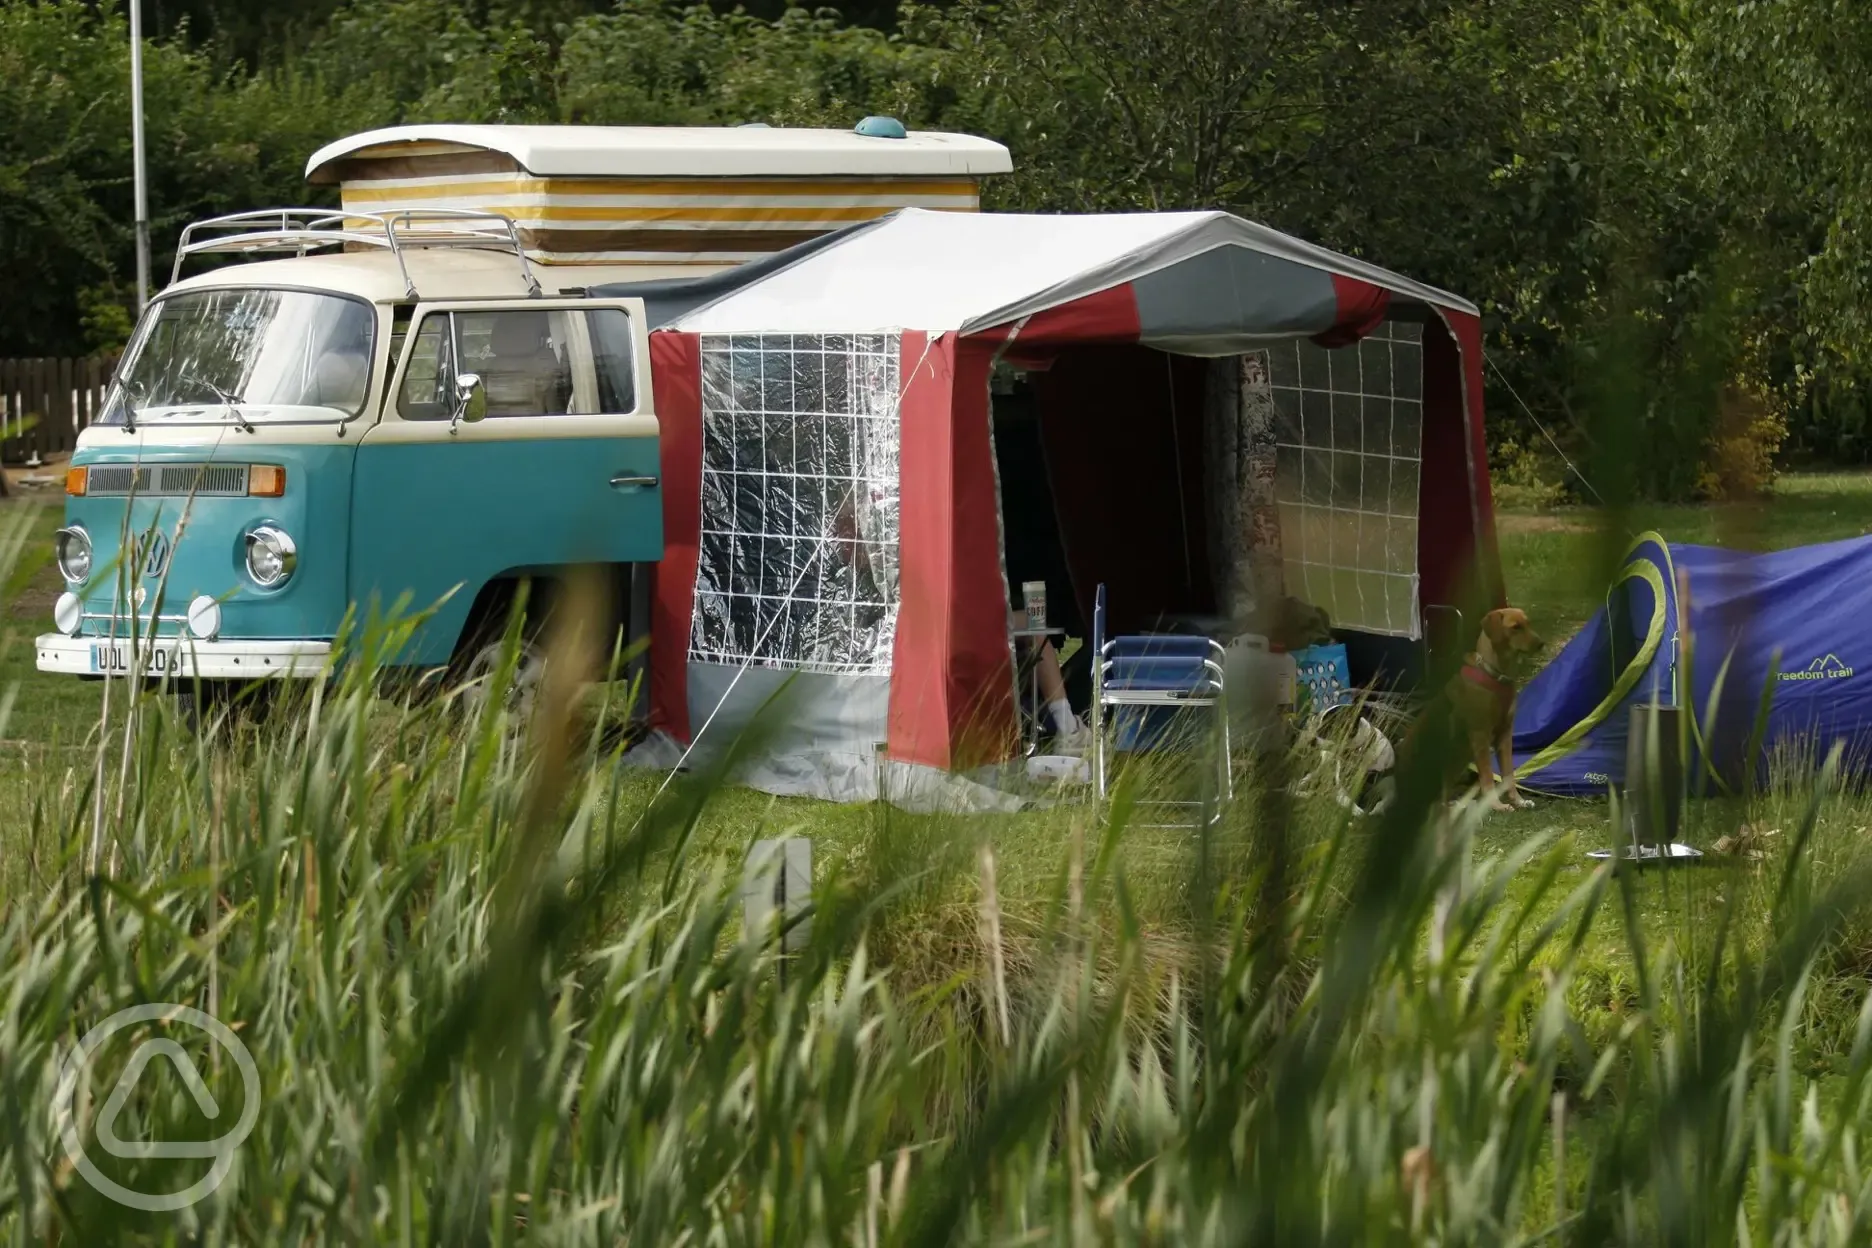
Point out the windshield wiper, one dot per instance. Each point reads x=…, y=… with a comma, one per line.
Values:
x=227, y=400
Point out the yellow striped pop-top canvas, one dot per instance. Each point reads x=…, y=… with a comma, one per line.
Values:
x=701, y=218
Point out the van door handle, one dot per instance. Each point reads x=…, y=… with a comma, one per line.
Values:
x=633, y=483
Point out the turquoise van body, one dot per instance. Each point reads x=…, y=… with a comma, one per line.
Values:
x=408, y=498
x=417, y=527
x=210, y=557
x=492, y=511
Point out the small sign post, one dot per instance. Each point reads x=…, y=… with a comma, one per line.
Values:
x=776, y=888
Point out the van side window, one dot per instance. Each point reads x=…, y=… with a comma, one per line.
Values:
x=524, y=359
x=428, y=382
x=612, y=354
x=531, y=361
x=400, y=317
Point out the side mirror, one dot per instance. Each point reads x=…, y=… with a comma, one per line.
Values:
x=470, y=400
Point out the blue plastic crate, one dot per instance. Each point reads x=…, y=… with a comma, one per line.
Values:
x=1325, y=681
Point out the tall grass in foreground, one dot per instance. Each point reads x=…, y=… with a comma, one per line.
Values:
x=492, y=1000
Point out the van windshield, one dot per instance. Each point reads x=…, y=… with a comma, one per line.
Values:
x=213, y=356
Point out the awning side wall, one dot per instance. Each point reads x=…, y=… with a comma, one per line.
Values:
x=676, y=379
x=952, y=672
x=1456, y=554
x=1467, y=328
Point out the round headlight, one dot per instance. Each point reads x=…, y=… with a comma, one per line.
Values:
x=74, y=554
x=204, y=618
x=271, y=556
x=68, y=613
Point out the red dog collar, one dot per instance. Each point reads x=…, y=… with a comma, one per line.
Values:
x=1488, y=680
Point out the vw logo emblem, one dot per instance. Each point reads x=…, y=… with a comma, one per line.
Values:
x=152, y=550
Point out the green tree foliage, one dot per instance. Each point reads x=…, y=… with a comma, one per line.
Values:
x=1572, y=165
x=694, y=66
x=642, y=62
x=218, y=141
x=1547, y=158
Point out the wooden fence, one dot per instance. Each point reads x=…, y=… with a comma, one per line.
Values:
x=44, y=403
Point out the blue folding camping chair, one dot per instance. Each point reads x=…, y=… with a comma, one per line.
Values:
x=1142, y=686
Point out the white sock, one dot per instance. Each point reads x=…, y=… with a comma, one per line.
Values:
x=1063, y=718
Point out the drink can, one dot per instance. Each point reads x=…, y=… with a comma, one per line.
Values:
x=1034, y=594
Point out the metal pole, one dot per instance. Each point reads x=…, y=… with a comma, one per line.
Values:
x=136, y=149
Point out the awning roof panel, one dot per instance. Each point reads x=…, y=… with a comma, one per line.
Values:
x=1201, y=280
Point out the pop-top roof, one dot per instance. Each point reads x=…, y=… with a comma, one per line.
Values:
x=678, y=151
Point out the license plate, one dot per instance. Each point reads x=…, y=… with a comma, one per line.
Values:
x=113, y=659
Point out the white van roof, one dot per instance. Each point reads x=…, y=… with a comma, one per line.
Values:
x=677, y=151
x=377, y=277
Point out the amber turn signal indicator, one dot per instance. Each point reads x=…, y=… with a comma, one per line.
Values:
x=266, y=480
x=75, y=481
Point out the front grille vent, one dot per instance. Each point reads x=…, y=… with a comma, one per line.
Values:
x=169, y=480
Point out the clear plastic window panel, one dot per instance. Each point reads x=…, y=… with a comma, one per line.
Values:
x=798, y=563
x=1349, y=436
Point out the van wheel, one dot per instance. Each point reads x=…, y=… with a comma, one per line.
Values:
x=522, y=691
x=194, y=710
x=199, y=705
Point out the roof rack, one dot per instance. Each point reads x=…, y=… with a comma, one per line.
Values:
x=302, y=231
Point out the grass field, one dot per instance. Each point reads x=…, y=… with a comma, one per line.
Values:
x=496, y=991
x=1553, y=561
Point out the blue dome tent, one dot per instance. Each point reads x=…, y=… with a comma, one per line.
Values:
x=1708, y=630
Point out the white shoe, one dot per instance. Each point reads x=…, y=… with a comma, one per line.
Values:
x=1073, y=742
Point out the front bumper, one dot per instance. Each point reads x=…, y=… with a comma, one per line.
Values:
x=183, y=657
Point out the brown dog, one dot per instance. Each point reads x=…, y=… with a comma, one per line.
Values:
x=1482, y=698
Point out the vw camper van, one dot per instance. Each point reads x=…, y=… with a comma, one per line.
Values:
x=412, y=399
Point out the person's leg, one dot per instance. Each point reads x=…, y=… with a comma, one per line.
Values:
x=1076, y=671
x=1052, y=682
x=1054, y=705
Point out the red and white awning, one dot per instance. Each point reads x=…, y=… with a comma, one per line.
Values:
x=1198, y=283
x=953, y=295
